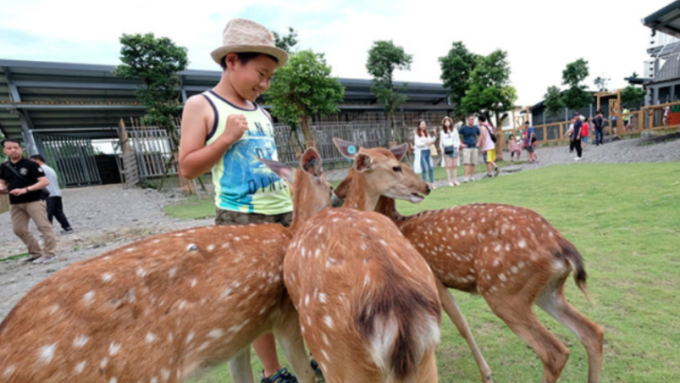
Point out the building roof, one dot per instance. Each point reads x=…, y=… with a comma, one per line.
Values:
x=666, y=19
x=88, y=100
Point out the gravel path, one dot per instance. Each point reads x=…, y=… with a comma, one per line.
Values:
x=107, y=217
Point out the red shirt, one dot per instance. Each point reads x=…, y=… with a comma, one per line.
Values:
x=584, y=129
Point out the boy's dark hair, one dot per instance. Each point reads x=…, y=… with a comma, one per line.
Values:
x=244, y=57
x=481, y=118
x=10, y=140
x=38, y=157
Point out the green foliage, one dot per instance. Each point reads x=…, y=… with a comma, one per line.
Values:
x=490, y=90
x=576, y=97
x=456, y=67
x=3, y=157
x=383, y=59
x=286, y=42
x=553, y=101
x=601, y=83
x=302, y=88
x=156, y=61
x=633, y=96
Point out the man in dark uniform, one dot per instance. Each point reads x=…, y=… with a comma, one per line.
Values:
x=23, y=179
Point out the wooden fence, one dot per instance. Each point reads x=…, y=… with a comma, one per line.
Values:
x=4, y=202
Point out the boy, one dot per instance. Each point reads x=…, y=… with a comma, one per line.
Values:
x=488, y=147
x=224, y=129
x=55, y=208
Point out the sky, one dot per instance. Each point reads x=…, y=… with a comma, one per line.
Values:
x=541, y=37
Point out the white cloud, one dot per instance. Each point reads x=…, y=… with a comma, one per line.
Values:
x=541, y=37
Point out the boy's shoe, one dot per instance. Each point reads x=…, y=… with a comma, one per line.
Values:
x=496, y=171
x=577, y=159
x=318, y=374
x=31, y=259
x=44, y=259
x=67, y=231
x=487, y=175
x=280, y=376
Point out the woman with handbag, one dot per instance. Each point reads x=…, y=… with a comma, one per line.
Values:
x=449, y=144
x=423, y=161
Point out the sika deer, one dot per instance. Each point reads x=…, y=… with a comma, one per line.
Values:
x=514, y=258
x=157, y=309
x=367, y=301
x=364, y=188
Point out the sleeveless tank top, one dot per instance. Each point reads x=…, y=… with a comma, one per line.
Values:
x=242, y=183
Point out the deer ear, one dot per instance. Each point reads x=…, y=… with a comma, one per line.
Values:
x=311, y=162
x=399, y=151
x=280, y=169
x=347, y=149
x=363, y=162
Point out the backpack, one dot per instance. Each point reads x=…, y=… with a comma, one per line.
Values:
x=493, y=136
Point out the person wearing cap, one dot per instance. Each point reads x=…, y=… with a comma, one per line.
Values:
x=226, y=131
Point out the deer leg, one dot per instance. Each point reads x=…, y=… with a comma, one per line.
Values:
x=451, y=307
x=290, y=339
x=524, y=323
x=239, y=365
x=590, y=334
x=427, y=373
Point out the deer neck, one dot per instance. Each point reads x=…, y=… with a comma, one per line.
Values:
x=388, y=207
x=301, y=211
x=361, y=194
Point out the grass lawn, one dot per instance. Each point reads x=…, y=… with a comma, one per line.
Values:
x=625, y=221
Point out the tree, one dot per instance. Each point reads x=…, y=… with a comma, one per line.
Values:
x=457, y=66
x=490, y=92
x=286, y=42
x=576, y=96
x=303, y=88
x=383, y=59
x=601, y=84
x=553, y=101
x=633, y=96
x=156, y=61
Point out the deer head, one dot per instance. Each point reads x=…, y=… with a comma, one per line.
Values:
x=379, y=171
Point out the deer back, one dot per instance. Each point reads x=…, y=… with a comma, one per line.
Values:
x=152, y=311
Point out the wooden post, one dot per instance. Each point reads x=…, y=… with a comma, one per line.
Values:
x=123, y=136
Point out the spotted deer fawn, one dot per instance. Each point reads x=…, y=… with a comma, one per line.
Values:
x=364, y=190
x=514, y=258
x=158, y=309
x=367, y=301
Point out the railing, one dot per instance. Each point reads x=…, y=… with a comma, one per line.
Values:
x=648, y=118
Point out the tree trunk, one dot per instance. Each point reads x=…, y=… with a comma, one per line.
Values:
x=309, y=139
x=500, y=138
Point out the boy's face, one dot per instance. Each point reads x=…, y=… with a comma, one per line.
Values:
x=252, y=79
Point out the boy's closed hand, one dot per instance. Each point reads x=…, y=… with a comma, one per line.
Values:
x=237, y=124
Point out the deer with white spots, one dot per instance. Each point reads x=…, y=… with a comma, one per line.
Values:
x=367, y=301
x=514, y=258
x=160, y=308
x=366, y=187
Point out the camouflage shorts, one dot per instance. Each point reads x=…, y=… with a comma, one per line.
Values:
x=228, y=217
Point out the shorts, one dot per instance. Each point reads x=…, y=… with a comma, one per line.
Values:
x=490, y=156
x=229, y=217
x=584, y=139
x=530, y=149
x=470, y=156
x=452, y=155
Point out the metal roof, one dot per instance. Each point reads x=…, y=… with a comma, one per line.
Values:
x=88, y=100
x=666, y=20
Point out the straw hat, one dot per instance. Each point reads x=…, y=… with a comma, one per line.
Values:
x=241, y=35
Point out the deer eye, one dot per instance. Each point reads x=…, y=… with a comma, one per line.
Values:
x=397, y=169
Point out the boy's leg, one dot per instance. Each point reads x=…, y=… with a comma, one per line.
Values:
x=51, y=206
x=59, y=214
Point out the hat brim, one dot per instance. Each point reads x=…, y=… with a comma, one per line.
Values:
x=280, y=55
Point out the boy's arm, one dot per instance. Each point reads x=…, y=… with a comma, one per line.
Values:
x=3, y=186
x=196, y=158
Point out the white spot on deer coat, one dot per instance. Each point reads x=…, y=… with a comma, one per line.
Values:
x=80, y=341
x=165, y=373
x=130, y=249
x=153, y=380
x=150, y=337
x=514, y=269
x=107, y=277
x=9, y=371
x=192, y=247
x=522, y=243
x=189, y=337
x=141, y=272
x=54, y=309
x=87, y=297
x=215, y=333
x=325, y=355
x=322, y=298
x=104, y=362
x=113, y=380
x=502, y=277
x=114, y=348
x=328, y=321
x=79, y=367
x=172, y=272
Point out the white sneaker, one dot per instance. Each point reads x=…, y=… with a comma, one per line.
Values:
x=577, y=159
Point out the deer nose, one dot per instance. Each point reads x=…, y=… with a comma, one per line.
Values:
x=427, y=190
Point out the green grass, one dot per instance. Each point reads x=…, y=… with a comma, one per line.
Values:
x=625, y=221
x=14, y=257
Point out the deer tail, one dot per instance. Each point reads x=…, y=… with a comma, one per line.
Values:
x=576, y=261
x=400, y=322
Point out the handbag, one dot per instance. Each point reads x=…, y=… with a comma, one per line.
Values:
x=433, y=150
x=44, y=192
x=449, y=149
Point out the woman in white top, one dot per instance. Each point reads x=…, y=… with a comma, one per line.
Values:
x=423, y=161
x=449, y=144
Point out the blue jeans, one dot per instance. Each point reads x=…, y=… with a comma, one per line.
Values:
x=599, y=133
x=425, y=158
